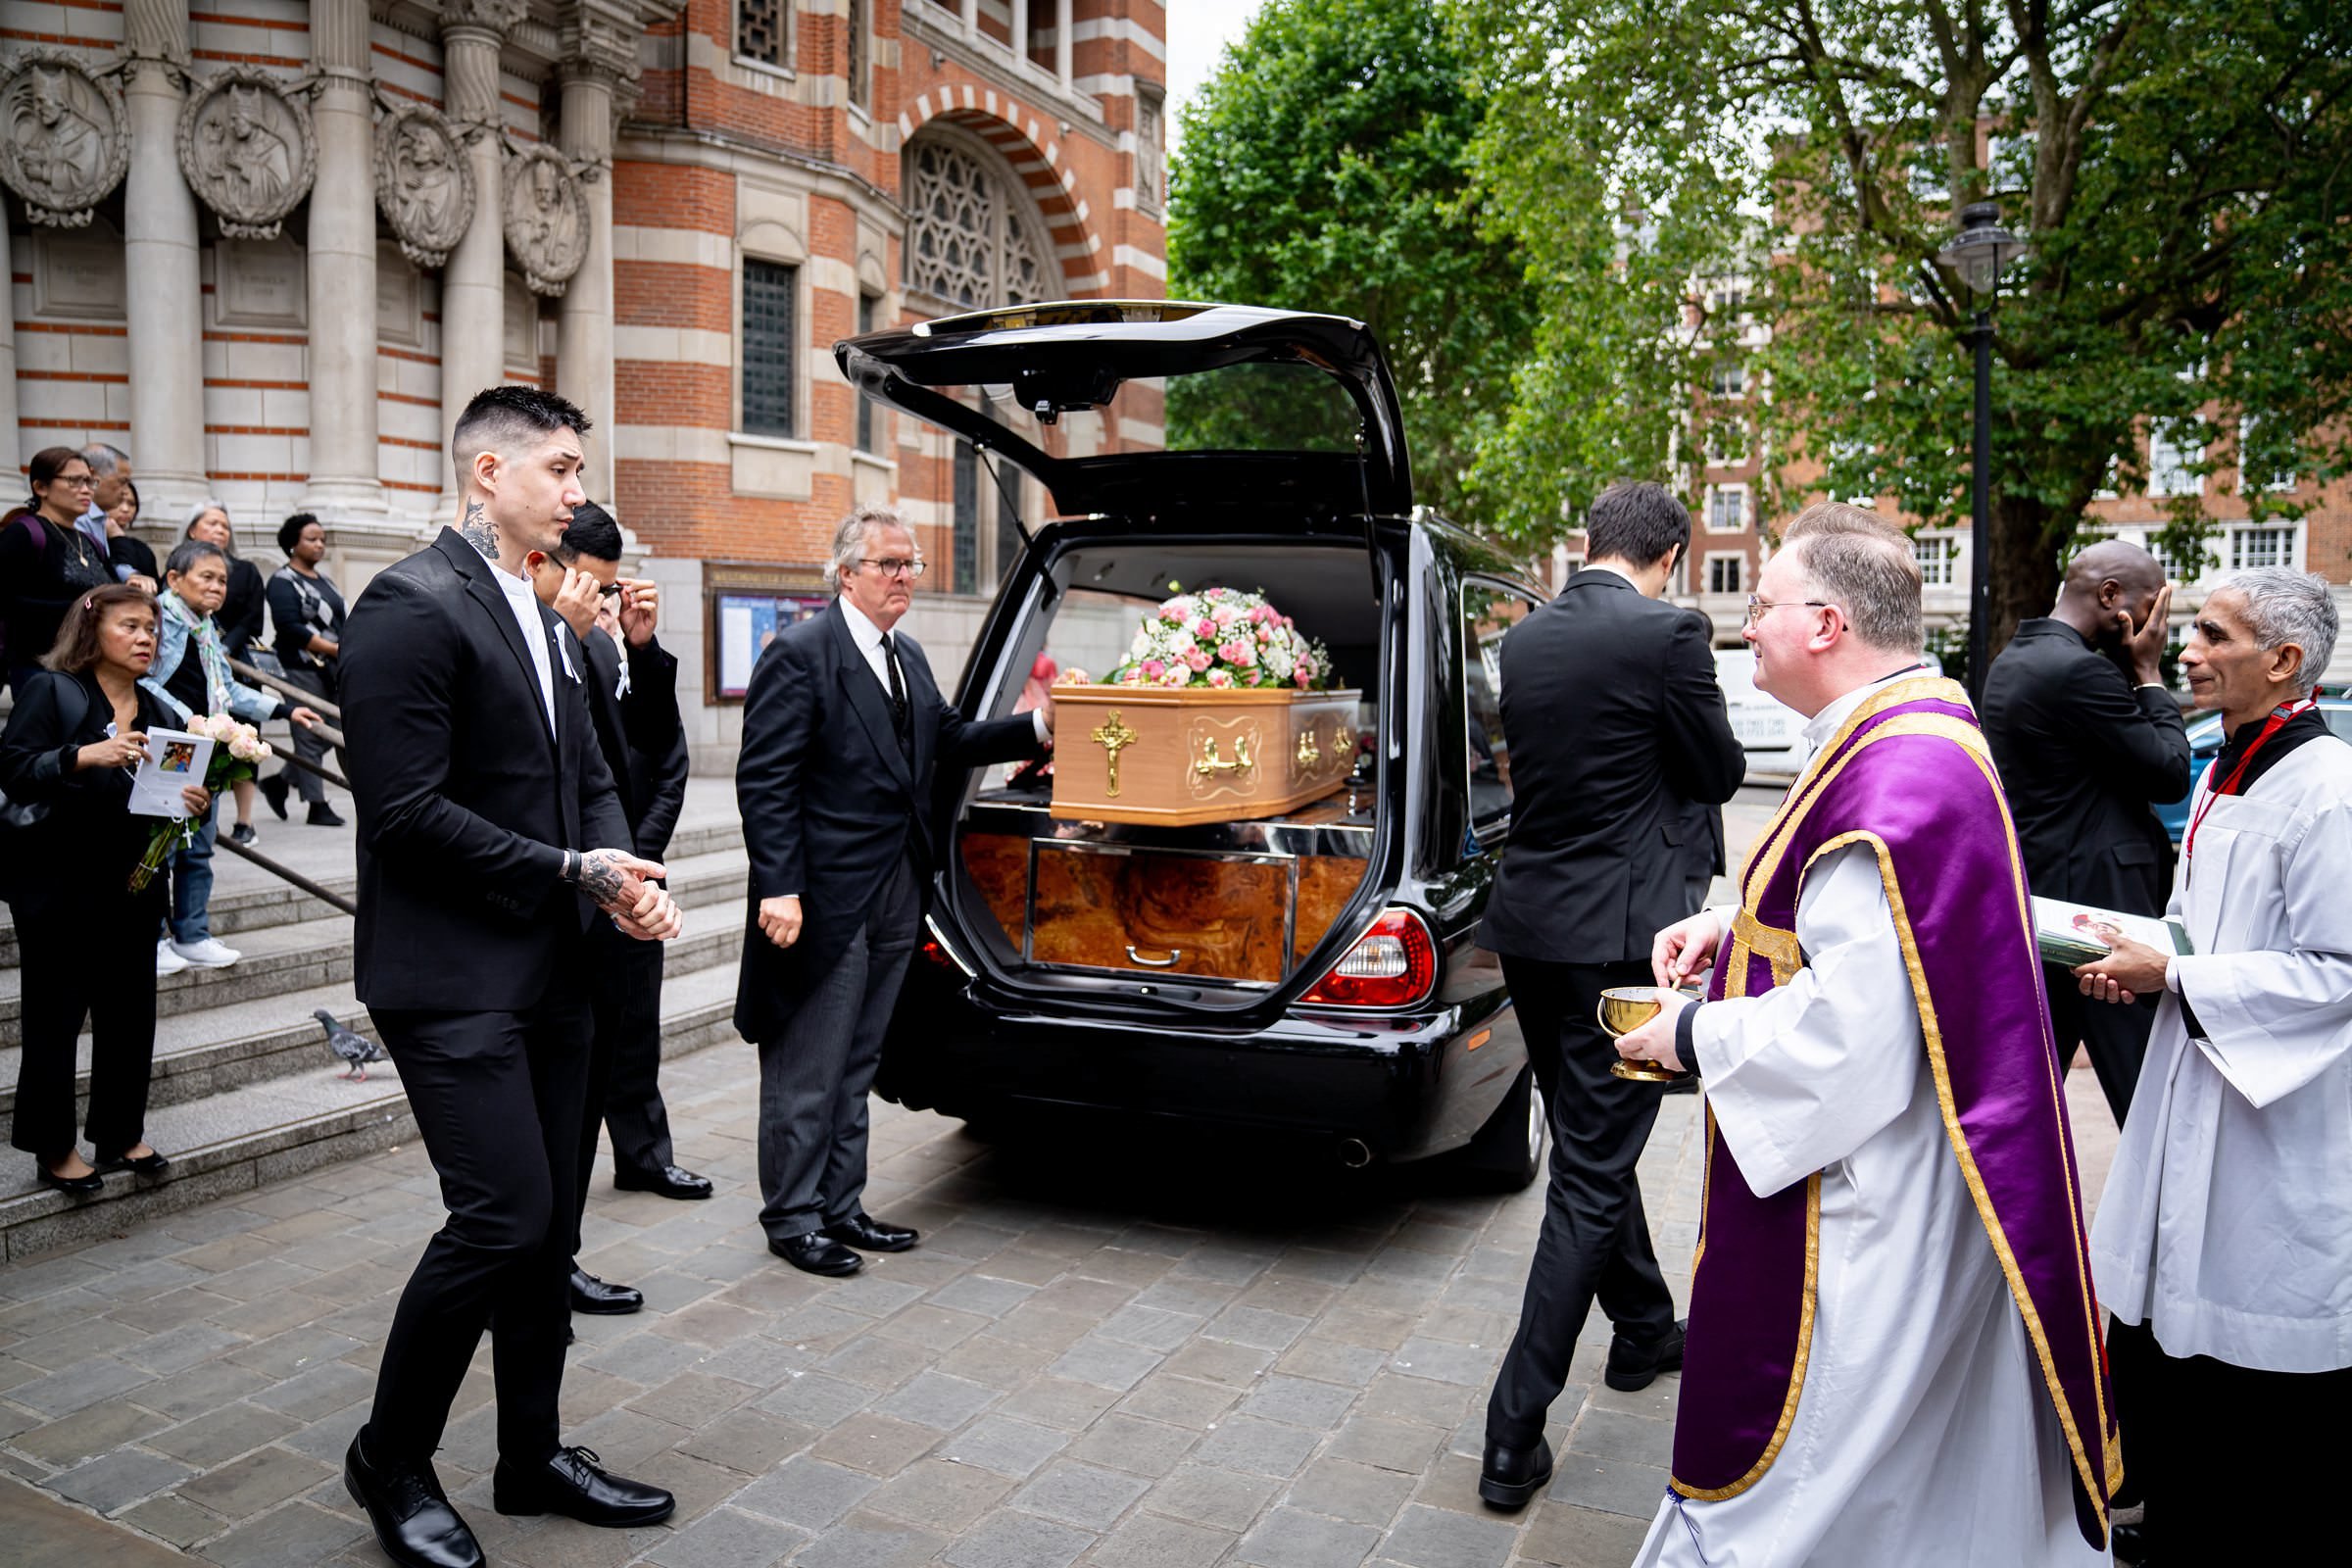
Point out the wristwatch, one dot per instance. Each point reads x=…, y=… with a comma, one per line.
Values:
x=571, y=868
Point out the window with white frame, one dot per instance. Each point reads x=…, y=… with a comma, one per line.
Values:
x=1728, y=379
x=2252, y=472
x=1939, y=556
x=2170, y=454
x=2261, y=547
x=763, y=31
x=1727, y=508
x=1726, y=575
x=1725, y=443
x=1150, y=167
x=2180, y=566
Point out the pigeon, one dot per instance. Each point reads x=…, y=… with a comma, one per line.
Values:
x=356, y=1049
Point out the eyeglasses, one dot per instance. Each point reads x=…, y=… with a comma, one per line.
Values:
x=611, y=590
x=77, y=481
x=893, y=566
x=1758, y=608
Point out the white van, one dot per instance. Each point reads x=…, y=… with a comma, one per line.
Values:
x=1773, y=735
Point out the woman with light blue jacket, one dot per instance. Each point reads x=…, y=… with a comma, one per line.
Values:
x=191, y=675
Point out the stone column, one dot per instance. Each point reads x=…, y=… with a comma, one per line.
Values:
x=474, y=284
x=599, y=72
x=1020, y=31
x=1065, y=20
x=971, y=18
x=165, y=319
x=12, y=456
x=344, y=476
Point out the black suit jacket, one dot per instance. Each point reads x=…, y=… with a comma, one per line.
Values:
x=642, y=736
x=1621, y=752
x=465, y=802
x=2083, y=757
x=829, y=800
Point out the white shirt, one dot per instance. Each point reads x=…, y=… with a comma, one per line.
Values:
x=525, y=601
x=868, y=638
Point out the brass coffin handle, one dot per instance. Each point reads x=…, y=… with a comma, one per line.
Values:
x=1211, y=765
x=1308, y=754
x=1168, y=962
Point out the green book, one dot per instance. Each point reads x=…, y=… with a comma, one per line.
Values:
x=2070, y=934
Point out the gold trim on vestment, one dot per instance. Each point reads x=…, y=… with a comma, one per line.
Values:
x=1797, y=1363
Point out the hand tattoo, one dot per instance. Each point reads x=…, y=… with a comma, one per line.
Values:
x=478, y=531
x=602, y=878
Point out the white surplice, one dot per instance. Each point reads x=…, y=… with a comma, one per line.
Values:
x=2227, y=1221
x=1922, y=1435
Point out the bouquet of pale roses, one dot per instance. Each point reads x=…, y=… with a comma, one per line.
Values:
x=1222, y=637
x=238, y=751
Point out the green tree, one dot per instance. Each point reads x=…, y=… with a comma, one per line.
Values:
x=2181, y=170
x=1325, y=167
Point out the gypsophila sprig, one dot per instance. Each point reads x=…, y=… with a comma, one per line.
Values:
x=1222, y=637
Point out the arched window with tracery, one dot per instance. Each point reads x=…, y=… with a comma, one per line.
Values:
x=974, y=238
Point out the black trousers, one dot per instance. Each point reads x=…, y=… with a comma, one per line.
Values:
x=1595, y=1243
x=2115, y=1037
x=624, y=1059
x=2194, y=1433
x=90, y=957
x=306, y=745
x=499, y=1097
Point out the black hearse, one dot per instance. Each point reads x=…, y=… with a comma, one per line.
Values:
x=1314, y=973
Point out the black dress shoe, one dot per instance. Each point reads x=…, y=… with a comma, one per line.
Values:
x=150, y=1164
x=273, y=790
x=577, y=1486
x=869, y=1234
x=1511, y=1477
x=815, y=1253
x=1634, y=1366
x=670, y=1181
x=324, y=815
x=602, y=1298
x=413, y=1521
x=71, y=1186
x=2131, y=1543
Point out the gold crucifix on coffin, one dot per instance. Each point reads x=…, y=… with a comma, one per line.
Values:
x=1113, y=737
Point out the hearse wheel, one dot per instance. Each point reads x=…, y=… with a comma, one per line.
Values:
x=1508, y=1149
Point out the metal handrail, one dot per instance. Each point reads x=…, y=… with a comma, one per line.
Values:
x=300, y=696
x=288, y=873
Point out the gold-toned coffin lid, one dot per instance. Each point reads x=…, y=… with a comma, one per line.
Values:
x=1195, y=753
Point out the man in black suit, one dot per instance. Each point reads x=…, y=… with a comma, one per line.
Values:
x=1621, y=752
x=490, y=837
x=633, y=696
x=843, y=731
x=2087, y=740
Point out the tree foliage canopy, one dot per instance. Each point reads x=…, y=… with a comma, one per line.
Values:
x=1325, y=167
x=2183, y=172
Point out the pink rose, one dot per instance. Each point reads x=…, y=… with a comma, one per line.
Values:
x=1153, y=666
x=1265, y=638
x=1250, y=678
x=1172, y=612
x=1220, y=678
x=1204, y=627
x=1198, y=658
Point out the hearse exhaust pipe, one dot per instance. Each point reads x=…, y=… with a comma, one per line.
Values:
x=1355, y=1154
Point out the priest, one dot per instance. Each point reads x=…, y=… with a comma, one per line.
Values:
x=1893, y=1355
x=2223, y=1242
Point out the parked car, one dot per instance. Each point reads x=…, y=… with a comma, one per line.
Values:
x=1313, y=974
x=2205, y=744
x=1770, y=731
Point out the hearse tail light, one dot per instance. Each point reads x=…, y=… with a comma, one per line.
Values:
x=936, y=948
x=1392, y=965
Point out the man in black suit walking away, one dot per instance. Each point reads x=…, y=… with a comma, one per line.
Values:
x=632, y=685
x=843, y=732
x=490, y=837
x=1617, y=732
x=2088, y=741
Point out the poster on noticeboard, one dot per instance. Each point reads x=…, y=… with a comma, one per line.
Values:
x=745, y=624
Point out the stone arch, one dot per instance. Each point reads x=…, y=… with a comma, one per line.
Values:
x=1022, y=138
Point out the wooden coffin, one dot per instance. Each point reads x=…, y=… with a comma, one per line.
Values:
x=1187, y=755
x=1246, y=918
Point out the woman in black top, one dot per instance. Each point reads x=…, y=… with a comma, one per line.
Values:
x=131, y=554
x=46, y=560
x=239, y=621
x=86, y=942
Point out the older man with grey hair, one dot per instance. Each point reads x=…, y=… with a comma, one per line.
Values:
x=843, y=732
x=110, y=469
x=2224, y=1241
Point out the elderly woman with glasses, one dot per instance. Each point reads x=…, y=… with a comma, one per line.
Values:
x=46, y=562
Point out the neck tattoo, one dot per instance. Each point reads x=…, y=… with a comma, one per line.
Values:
x=477, y=530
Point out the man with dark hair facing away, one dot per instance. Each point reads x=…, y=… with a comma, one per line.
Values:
x=633, y=696
x=490, y=838
x=1618, y=735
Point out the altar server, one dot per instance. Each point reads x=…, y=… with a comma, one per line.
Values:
x=2223, y=1242
x=1893, y=1355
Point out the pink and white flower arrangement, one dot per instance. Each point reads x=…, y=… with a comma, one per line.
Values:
x=1224, y=638
x=238, y=751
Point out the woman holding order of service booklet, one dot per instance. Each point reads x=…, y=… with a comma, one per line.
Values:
x=75, y=738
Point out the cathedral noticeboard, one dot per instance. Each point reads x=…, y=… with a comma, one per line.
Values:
x=744, y=607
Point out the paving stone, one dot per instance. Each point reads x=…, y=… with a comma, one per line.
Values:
x=1059, y=1403
x=1148, y=1541
x=246, y=1486
x=297, y=1536
x=118, y=1479
x=646, y=1359
x=219, y=1436
x=94, y=1431
x=1008, y=1447
x=939, y=1495
x=1612, y=1435
x=1220, y=1361
x=1447, y=1363
x=204, y=1387
x=1149, y=1327
x=1183, y=1402
x=983, y=1294
x=729, y=1538
x=936, y=1326
x=1222, y=1499
x=1300, y=1402
x=691, y=1399
x=1017, y=1541
x=1426, y=1538
x=1397, y=1397
x=1613, y=1486
x=1263, y=1447
x=1571, y=1537
x=1129, y=1443
x=865, y=1541
x=1081, y=1494
x=79, y=1386
x=1290, y=1539
x=1105, y=1362
x=875, y=1444
x=748, y=1441
x=320, y=1391
x=806, y=1491
x=174, y=1519
x=816, y=1399
x=1351, y=1367
x=177, y=1349
x=1344, y=1489
x=1390, y=1445
x=876, y=1362
x=936, y=1400
x=1257, y=1327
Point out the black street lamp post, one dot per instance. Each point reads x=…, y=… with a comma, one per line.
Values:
x=1978, y=253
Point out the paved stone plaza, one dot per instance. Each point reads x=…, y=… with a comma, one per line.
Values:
x=1123, y=1351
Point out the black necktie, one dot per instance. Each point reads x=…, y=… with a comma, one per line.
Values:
x=901, y=716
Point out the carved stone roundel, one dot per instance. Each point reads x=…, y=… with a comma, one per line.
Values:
x=546, y=218
x=64, y=141
x=424, y=181
x=247, y=149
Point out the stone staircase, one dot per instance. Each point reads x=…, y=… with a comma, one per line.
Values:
x=245, y=1090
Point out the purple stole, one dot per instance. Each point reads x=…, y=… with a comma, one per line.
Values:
x=1909, y=774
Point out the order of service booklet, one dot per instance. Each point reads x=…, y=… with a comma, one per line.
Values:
x=175, y=761
x=2067, y=933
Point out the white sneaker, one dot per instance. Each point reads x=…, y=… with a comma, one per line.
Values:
x=168, y=961
x=210, y=953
